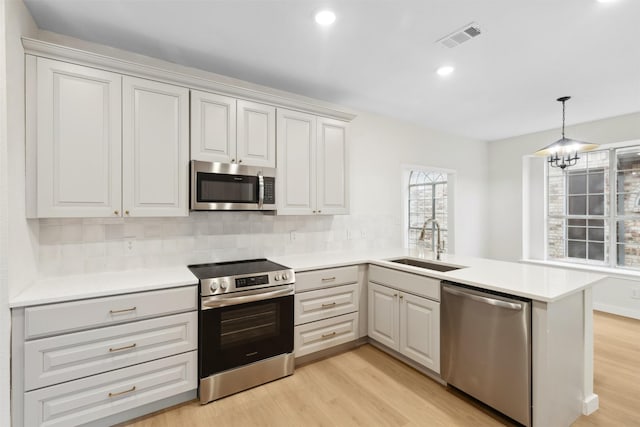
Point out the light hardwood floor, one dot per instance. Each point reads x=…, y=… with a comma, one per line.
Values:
x=366, y=387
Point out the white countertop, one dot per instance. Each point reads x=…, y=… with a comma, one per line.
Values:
x=537, y=282
x=82, y=286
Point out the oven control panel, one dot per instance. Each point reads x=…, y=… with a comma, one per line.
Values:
x=245, y=282
x=223, y=285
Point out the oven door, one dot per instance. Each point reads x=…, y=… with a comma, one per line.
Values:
x=245, y=328
x=220, y=186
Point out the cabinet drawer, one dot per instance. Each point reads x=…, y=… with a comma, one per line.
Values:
x=318, y=279
x=324, y=334
x=67, y=357
x=413, y=283
x=324, y=303
x=76, y=315
x=88, y=399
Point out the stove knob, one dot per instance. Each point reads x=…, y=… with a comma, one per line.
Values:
x=224, y=285
x=213, y=286
x=277, y=277
x=284, y=276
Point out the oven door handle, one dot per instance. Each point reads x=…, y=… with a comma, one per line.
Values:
x=220, y=301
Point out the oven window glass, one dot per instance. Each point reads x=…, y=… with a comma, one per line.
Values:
x=246, y=325
x=220, y=188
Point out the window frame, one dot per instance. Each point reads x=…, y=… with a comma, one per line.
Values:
x=611, y=217
x=451, y=187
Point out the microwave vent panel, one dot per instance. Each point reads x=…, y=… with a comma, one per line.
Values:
x=461, y=35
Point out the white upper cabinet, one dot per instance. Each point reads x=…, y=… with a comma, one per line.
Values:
x=213, y=127
x=296, y=182
x=332, y=175
x=100, y=144
x=312, y=165
x=155, y=144
x=227, y=130
x=78, y=131
x=256, y=134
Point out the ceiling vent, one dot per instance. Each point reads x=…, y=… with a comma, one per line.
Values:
x=461, y=35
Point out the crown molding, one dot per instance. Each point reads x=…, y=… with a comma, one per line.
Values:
x=192, y=78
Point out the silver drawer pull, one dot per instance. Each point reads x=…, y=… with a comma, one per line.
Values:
x=127, y=347
x=328, y=279
x=122, y=392
x=328, y=335
x=122, y=311
x=328, y=305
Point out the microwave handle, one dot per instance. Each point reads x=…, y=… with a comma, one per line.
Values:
x=260, y=190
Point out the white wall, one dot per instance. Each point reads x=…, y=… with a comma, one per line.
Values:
x=506, y=199
x=18, y=248
x=5, y=319
x=505, y=175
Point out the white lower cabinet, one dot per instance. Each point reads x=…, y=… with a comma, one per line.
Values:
x=326, y=309
x=86, y=360
x=406, y=323
x=66, y=357
x=323, y=334
x=88, y=399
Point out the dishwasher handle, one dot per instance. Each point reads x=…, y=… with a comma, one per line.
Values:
x=483, y=299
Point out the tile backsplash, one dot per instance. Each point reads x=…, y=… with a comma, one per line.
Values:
x=89, y=245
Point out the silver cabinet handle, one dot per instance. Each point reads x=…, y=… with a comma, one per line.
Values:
x=328, y=279
x=126, y=347
x=122, y=311
x=329, y=335
x=484, y=300
x=122, y=392
x=328, y=305
x=260, y=190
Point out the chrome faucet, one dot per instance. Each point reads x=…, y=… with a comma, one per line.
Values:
x=438, y=249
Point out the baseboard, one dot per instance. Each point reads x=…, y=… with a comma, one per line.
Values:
x=329, y=352
x=147, y=409
x=620, y=311
x=590, y=404
x=404, y=359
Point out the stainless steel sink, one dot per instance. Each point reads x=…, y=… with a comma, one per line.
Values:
x=425, y=264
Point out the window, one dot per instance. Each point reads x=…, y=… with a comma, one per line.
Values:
x=427, y=198
x=592, y=217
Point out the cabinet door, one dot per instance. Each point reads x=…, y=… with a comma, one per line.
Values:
x=296, y=182
x=420, y=330
x=78, y=141
x=333, y=186
x=213, y=127
x=256, y=134
x=383, y=315
x=155, y=148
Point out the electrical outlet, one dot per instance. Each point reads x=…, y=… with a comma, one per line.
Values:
x=129, y=244
x=363, y=234
x=293, y=236
x=349, y=235
x=635, y=293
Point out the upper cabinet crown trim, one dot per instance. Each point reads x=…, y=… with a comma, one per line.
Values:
x=179, y=75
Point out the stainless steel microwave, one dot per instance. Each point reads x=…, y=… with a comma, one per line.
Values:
x=232, y=187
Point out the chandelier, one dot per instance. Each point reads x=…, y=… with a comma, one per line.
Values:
x=564, y=152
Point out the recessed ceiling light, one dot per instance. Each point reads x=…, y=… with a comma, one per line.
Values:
x=445, y=70
x=325, y=17
x=606, y=1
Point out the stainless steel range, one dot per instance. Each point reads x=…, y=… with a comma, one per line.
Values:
x=245, y=325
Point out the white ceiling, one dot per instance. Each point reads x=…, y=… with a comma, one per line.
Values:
x=381, y=55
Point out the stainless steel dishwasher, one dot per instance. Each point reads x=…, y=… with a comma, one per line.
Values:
x=485, y=348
